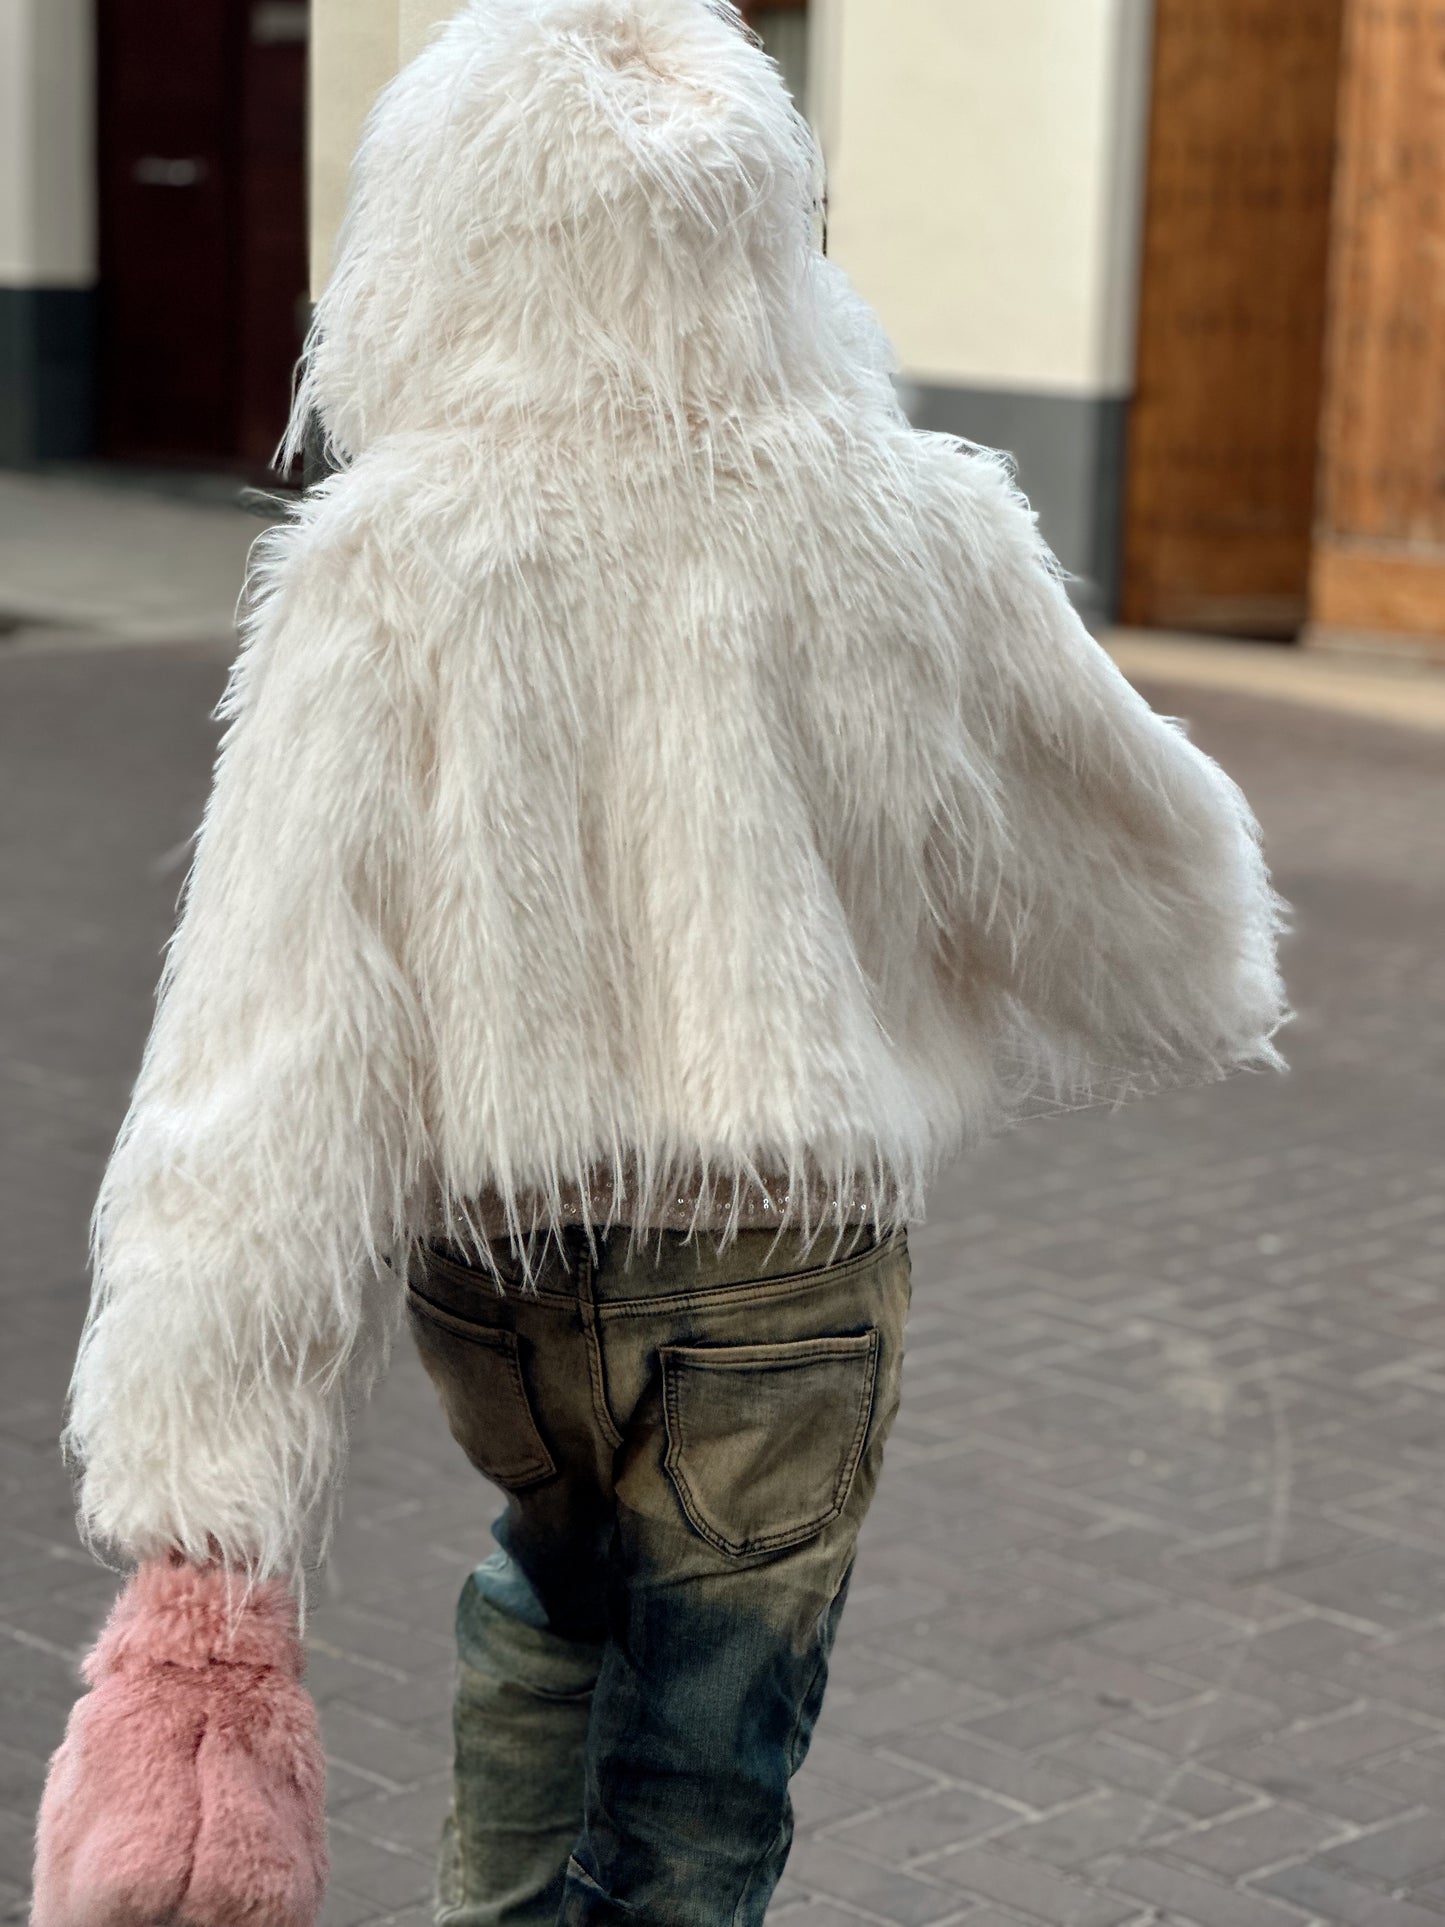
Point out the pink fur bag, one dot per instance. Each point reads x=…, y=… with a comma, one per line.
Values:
x=190, y=1783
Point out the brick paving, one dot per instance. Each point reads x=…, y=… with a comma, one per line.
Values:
x=1149, y=1620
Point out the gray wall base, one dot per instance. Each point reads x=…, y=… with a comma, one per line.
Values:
x=1070, y=452
x=47, y=374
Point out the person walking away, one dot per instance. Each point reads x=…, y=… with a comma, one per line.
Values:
x=668, y=808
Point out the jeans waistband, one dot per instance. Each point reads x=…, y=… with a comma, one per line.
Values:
x=613, y=1265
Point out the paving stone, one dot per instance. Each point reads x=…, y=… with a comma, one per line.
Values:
x=1330, y=1895
x=1347, y=1742
x=17, y=1836
x=1118, y=1681
x=1424, y=1651
x=1417, y=1777
x=382, y=1645
x=344, y=1909
x=1370, y=1674
x=1038, y=1892
x=1169, y=1629
x=1195, y=1897
x=956, y=1651
x=21, y=1777
x=390, y=1879
x=877, y=1774
x=391, y=1757
x=1039, y=1722
x=991, y=1917
x=1254, y=1841
x=925, y=1825
x=1079, y=1834
x=1405, y=1913
x=402, y=1820
x=908, y=1700
x=1029, y=1781
x=1410, y=1850
x=1390, y=1586
x=1177, y=1786
x=832, y=1872
x=815, y=1913
x=1292, y=1696
x=420, y=1704
x=1203, y=1726
x=818, y=1804
x=1359, y=1801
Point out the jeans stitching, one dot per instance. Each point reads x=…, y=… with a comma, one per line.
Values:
x=587, y=1300
x=502, y=1344
x=499, y=1289
x=746, y=1291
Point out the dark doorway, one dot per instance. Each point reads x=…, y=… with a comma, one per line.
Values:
x=202, y=225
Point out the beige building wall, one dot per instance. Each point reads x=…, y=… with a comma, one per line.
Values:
x=985, y=163
x=986, y=182
x=415, y=20
x=356, y=47
x=354, y=52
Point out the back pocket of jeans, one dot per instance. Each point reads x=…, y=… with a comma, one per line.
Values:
x=763, y=1440
x=477, y=1371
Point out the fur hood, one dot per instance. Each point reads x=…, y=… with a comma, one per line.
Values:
x=647, y=754
x=567, y=208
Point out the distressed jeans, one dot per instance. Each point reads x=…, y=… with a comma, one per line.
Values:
x=688, y=1440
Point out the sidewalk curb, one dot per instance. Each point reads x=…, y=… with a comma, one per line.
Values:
x=1383, y=690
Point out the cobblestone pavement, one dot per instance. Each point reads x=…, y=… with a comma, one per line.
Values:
x=1149, y=1620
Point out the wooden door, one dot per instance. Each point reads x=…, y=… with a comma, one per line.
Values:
x=1224, y=433
x=1380, y=557
x=202, y=224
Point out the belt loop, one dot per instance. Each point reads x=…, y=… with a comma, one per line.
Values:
x=576, y=1250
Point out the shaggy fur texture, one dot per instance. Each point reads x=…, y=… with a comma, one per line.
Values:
x=647, y=753
x=190, y=1783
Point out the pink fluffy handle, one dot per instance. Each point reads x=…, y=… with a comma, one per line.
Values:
x=190, y=1784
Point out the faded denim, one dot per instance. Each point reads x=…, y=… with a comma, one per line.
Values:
x=689, y=1441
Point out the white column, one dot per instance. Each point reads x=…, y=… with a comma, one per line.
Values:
x=47, y=229
x=47, y=144
x=353, y=55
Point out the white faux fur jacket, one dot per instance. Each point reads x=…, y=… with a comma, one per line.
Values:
x=646, y=755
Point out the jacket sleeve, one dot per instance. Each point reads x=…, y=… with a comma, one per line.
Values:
x=1090, y=863
x=241, y=1294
